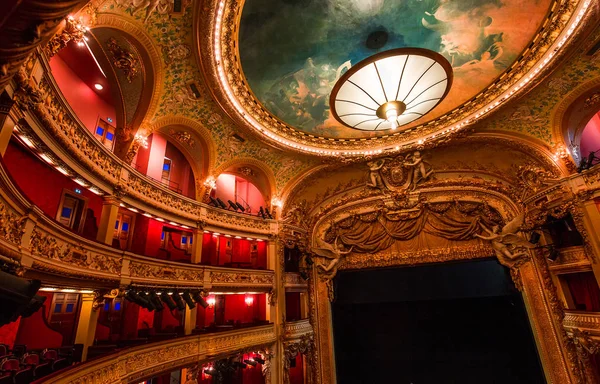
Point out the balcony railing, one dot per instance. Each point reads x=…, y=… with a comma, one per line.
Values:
x=51, y=120
x=138, y=363
x=584, y=321
x=297, y=329
x=40, y=243
x=294, y=280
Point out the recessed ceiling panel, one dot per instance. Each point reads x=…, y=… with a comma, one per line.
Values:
x=293, y=51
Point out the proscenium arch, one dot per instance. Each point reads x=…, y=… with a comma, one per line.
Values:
x=570, y=117
x=152, y=67
x=503, y=204
x=265, y=180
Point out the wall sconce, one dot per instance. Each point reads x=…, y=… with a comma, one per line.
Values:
x=249, y=300
x=211, y=301
x=276, y=202
x=141, y=140
x=210, y=183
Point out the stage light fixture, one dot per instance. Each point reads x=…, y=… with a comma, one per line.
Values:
x=261, y=212
x=188, y=299
x=268, y=213
x=166, y=298
x=240, y=206
x=534, y=238
x=213, y=202
x=156, y=301
x=199, y=299
x=232, y=205
x=304, y=275
x=178, y=301
x=309, y=260
x=554, y=254
x=251, y=362
x=259, y=360
x=221, y=203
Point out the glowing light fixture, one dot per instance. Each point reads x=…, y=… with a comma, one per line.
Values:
x=211, y=301
x=98, y=86
x=391, y=89
x=249, y=300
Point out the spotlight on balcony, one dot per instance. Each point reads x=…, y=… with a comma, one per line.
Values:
x=232, y=205
x=259, y=360
x=156, y=301
x=261, y=212
x=554, y=254
x=251, y=362
x=166, y=298
x=188, y=299
x=199, y=299
x=213, y=202
x=240, y=207
x=178, y=301
x=221, y=203
x=268, y=213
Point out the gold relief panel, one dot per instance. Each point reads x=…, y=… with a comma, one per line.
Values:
x=137, y=363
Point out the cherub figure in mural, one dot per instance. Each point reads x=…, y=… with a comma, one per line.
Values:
x=332, y=252
x=508, y=246
x=375, y=179
x=418, y=171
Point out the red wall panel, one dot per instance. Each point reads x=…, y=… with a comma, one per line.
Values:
x=42, y=184
x=86, y=103
x=34, y=331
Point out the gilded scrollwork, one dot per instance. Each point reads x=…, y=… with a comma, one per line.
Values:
x=304, y=345
x=123, y=59
x=12, y=226
x=147, y=270
x=241, y=278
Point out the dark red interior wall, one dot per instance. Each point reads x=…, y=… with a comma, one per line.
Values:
x=205, y=317
x=131, y=313
x=297, y=372
x=34, y=330
x=42, y=184
x=292, y=306
x=153, y=239
x=169, y=320
x=584, y=290
x=237, y=310
x=215, y=251
x=180, y=170
x=252, y=375
x=140, y=234
x=142, y=157
x=8, y=333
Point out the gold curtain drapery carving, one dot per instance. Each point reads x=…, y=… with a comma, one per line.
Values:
x=431, y=223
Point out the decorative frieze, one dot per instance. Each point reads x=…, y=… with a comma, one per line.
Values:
x=139, y=362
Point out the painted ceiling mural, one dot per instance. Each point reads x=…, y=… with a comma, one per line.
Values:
x=293, y=51
x=172, y=35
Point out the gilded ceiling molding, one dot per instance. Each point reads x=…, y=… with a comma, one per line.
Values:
x=118, y=22
x=294, y=186
x=269, y=190
x=219, y=60
x=561, y=130
x=207, y=147
x=549, y=157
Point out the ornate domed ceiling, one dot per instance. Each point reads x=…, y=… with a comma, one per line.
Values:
x=272, y=64
x=293, y=52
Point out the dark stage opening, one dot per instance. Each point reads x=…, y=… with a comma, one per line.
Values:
x=444, y=323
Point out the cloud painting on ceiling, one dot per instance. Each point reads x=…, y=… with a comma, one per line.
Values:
x=293, y=51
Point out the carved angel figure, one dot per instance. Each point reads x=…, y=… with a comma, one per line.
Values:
x=329, y=251
x=375, y=180
x=509, y=246
x=418, y=171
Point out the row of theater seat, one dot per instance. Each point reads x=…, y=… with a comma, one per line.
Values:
x=18, y=366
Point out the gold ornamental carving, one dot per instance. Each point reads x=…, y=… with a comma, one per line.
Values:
x=123, y=59
x=73, y=31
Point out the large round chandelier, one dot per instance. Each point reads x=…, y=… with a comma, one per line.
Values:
x=391, y=89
